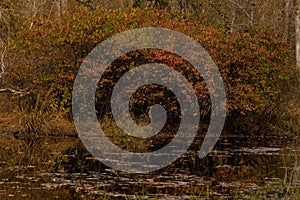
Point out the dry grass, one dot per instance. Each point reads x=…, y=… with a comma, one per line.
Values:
x=42, y=123
x=46, y=153
x=33, y=122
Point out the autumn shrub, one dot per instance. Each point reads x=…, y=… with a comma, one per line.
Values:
x=254, y=65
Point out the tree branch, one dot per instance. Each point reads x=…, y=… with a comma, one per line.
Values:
x=3, y=67
x=15, y=91
x=4, y=38
x=242, y=9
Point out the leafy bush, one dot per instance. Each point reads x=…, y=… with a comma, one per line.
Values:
x=253, y=64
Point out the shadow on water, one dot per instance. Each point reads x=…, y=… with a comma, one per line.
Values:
x=238, y=168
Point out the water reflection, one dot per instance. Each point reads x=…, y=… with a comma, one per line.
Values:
x=228, y=172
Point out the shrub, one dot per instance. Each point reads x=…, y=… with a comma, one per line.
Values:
x=253, y=64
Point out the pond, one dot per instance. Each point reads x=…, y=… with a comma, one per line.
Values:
x=238, y=168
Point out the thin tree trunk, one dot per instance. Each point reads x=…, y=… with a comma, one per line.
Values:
x=297, y=32
x=287, y=19
x=61, y=6
x=252, y=13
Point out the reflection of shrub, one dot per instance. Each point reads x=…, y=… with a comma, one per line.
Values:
x=45, y=59
x=123, y=140
x=9, y=148
x=77, y=159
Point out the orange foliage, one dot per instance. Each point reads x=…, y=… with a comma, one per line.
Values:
x=253, y=65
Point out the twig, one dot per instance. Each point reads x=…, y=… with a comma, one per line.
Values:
x=240, y=7
x=15, y=91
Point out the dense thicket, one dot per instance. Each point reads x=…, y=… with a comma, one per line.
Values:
x=44, y=60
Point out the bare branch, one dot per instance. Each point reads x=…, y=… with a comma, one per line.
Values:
x=242, y=9
x=3, y=67
x=4, y=38
x=15, y=91
x=4, y=22
x=297, y=32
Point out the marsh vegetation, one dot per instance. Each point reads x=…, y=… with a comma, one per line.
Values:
x=41, y=50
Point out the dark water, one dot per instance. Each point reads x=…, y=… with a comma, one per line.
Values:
x=238, y=168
